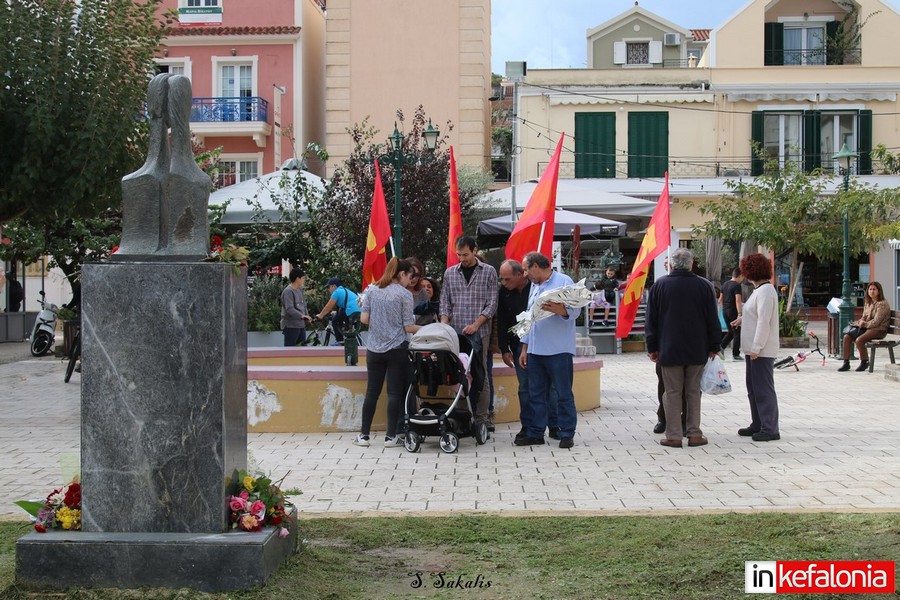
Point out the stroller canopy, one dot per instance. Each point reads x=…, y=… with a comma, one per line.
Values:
x=435, y=336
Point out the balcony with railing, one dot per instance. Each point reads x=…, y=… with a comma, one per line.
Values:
x=232, y=117
x=818, y=56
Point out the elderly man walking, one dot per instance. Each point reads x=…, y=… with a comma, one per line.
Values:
x=683, y=333
x=546, y=353
x=468, y=303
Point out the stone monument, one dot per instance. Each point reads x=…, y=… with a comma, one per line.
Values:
x=164, y=393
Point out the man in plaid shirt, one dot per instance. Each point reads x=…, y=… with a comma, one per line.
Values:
x=468, y=303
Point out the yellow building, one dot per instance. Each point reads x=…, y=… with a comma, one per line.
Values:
x=800, y=78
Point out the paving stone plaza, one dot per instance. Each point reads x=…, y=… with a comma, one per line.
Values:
x=840, y=450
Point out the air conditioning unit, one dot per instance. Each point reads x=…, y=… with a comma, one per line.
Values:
x=672, y=39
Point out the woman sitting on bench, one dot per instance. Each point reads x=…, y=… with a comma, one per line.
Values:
x=872, y=326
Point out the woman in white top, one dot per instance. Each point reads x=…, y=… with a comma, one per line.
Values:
x=759, y=339
x=387, y=308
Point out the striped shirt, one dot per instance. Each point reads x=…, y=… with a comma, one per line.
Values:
x=462, y=303
x=390, y=311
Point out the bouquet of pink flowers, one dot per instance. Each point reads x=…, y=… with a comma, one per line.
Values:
x=256, y=502
x=61, y=509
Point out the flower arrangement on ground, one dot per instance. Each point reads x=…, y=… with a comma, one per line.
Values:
x=256, y=502
x=60, y=510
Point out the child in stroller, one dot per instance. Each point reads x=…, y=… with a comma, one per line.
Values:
x=441, y=376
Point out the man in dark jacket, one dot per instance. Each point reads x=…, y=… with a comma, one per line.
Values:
x=683, y=333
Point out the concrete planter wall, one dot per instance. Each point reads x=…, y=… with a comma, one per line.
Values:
x=795, y=342
x=264, y=339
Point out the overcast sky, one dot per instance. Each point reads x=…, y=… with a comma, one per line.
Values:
x=550, y=34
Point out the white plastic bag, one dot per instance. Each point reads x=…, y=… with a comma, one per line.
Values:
x=715, y=380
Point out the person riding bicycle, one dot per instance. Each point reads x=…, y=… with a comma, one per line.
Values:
x=345, y=304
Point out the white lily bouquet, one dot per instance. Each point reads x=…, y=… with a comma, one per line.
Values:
x=572, y=296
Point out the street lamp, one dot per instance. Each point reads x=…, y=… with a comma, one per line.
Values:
x=845, y=160
x=398, y=159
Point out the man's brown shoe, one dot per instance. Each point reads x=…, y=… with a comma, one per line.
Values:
x=697, y=440
x=670, y=443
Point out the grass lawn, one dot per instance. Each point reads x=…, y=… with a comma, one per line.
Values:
x=605, y=557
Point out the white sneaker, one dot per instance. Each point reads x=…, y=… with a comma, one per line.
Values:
x=393, y=442
x=361, y=440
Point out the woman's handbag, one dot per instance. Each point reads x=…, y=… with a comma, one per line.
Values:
x=714, y=379
x=854, y=331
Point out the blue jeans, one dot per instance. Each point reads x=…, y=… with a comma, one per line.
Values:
x=294, y=335
x=547, y=374
x=526, y=412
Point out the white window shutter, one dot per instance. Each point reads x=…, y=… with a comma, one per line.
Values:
x=618, y=53
x=655, y=52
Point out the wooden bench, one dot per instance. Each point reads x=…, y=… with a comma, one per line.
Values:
x=890, y=344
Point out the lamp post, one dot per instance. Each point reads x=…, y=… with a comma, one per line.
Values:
x=845, y=160
x=398, y=159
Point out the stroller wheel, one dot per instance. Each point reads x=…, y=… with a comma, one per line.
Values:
x=481, y=433
x=412, y=441
x=449, y=442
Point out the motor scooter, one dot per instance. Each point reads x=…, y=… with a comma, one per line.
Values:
x=44, y=331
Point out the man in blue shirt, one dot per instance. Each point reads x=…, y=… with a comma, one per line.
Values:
x=547, y=352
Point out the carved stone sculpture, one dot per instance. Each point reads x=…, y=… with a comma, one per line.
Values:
x=165, y=202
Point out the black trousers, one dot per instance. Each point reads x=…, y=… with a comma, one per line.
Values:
x=734, y=333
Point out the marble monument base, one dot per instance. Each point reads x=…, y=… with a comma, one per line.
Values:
x=208, y=562
x=163, y=395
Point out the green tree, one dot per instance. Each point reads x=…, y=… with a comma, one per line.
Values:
x=73, y=79
x=786, y=210
x=889, y=162
x=425, y=195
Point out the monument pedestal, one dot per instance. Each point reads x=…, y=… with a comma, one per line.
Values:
x=163, y=428
x=207, y=562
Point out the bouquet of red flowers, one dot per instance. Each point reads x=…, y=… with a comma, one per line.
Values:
x=61, y=509
x=255, y=502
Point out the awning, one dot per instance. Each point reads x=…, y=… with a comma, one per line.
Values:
x=564, y=225
x=243, y=197
x=582, y=195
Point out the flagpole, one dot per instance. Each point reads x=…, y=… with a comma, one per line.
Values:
x=541, y=237
x=391, y=242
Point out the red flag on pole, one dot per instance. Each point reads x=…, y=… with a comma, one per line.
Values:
x=456, y=229
x=534, y=231
x=656, y=240
x=375, y=261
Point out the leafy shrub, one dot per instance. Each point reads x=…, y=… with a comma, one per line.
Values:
x=264, y=303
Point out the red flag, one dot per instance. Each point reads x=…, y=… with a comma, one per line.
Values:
x=655, y=241
x=534, y=231
x=375, y=261
x=456, y=229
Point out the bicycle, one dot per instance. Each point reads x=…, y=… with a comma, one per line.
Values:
x=795, y=360
x=316, y=337
x=74, y=355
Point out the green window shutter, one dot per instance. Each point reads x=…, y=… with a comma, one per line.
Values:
x=757, y=121
x=648, y=144
x=812, y=140
x=833, y=51
x=864, y=146
x=774, y=43
x=595, y=144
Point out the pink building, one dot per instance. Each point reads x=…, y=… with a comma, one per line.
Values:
x=258, y=73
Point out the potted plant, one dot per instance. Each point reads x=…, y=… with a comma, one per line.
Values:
x=633, y=343
x=264, y=311
x=70, y=324
x=791, y=328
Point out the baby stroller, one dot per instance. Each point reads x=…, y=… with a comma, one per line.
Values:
x=441, y=377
